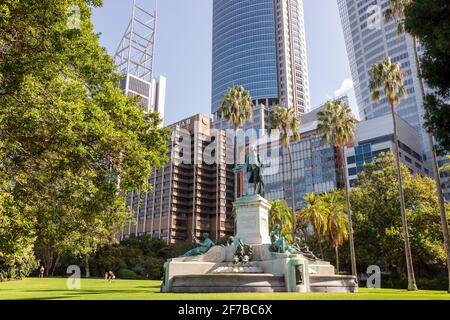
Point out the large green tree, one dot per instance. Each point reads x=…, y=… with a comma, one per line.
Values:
x=436, y=107
x=337, y=124
x=288, y=124
x=314, y=214
x=67, y=133
x=237, y=108
x=336, y=231
x=428, y=21
x=379, y=227
x=281, y=214
x=387, y=79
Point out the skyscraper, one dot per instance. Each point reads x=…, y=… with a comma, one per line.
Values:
x=369, y=40
x=134, y=60
x=189, y=197
x=260, y=44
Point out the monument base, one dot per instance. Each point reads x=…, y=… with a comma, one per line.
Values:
x=216, y=270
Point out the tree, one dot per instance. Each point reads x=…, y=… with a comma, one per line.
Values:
x=314, y=214
x=236, y=108
x=433, y=106
x=16, y=240
x=427, y=20
x=287, y=122
x=281, y=214
x=388, y=77
x=336, y=231
x=337, y=124
x=67, y=132
x=378, y=225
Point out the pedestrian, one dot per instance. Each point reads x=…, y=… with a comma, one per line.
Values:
x=111, y=276
x=41, y=272
x=106, y=276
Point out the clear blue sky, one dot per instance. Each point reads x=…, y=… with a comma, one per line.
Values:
x=183, y=50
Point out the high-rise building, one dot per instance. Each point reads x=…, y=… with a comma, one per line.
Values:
x=369, y=40
x=314, y=164
x=260, y=44
x=134, y=60
x=376, y=136
x=192, y=194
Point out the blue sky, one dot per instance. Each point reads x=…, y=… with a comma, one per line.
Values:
x=183, y=50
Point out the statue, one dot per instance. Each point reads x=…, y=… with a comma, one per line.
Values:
x=244, y=253
x=304, y=250
x=278, y=240
x=203, y=246
x=279, y=245
x=230, y=241
x=253, y=166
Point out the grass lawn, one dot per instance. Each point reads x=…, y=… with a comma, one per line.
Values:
x=98, y=289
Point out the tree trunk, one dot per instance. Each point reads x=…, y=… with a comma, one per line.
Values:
x=86, y=265
x=58, y=259
x=235, y=164
x=349, y=214
x=336, y=250
x=292, y=192
x=412, y=286
x=437, y=177
x=320, y=247
x=47, y=257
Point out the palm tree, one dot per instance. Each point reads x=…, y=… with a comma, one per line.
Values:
x=288, y=123
x=337, y=124
x=388, y=77
x=236, y=108
x=314, y=214
x=281, y=214
x=336, y=231
x=397, y=11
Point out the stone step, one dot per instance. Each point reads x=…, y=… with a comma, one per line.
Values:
x=332, y=283
x=221, y=283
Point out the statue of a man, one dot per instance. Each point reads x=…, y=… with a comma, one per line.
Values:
x=203, y=246
x=254, y=169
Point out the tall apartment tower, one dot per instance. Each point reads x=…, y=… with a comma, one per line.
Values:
x=369, y=40
x=261, y=45
x=134, y=60
x=191, y=196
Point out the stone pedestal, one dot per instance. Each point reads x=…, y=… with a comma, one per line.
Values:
x=252, y=213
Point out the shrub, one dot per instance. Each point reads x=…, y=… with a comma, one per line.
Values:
x=128, y=274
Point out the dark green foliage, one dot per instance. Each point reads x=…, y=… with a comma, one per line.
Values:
x=128, y=274
x=378, y=225
x=67, y=134
x=428, y=21
x=144, y=256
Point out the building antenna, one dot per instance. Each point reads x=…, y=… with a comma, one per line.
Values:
x=135, y=53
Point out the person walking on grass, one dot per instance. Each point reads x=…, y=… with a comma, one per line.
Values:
x=41, y=272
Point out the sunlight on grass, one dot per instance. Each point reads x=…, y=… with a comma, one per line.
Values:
x=99, y=289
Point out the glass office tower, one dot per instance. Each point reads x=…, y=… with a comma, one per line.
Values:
x=260, y=44
x=369, y=40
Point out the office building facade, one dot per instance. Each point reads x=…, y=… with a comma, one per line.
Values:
x=191, y=196
x=260, y=44
x=369, y=40
x=314, y=165
x=375, y=136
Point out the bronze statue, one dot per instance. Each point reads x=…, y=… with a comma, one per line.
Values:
x=244, y=253
x=203, y=246
x=253, y=166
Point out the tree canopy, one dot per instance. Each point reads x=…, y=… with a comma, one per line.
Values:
x=68, y=134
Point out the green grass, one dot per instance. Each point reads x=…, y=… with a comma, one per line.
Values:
x=98, y=289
